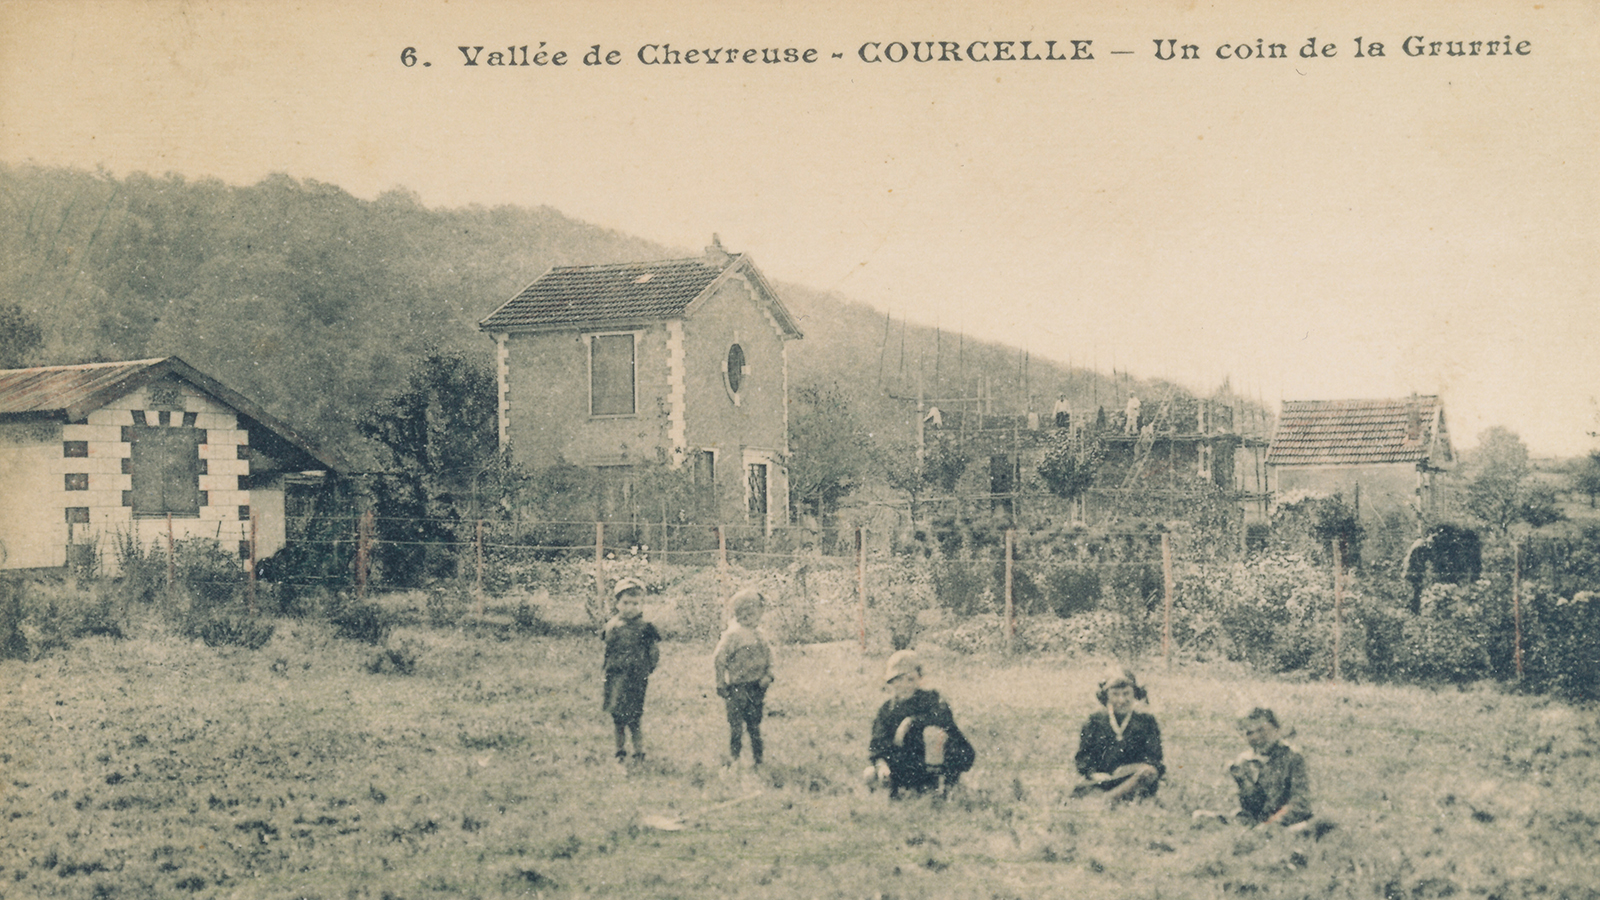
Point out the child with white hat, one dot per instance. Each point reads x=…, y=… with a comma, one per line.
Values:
x=915, y=743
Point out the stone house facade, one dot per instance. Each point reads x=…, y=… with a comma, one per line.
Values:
x=148, y=448
x=682, y=362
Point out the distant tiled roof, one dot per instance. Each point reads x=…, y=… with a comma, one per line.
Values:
x=1360, y=432
x=620, y=293
x=70, y=393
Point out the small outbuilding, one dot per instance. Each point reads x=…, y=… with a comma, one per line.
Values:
x=146, y=448
x=1381, y=455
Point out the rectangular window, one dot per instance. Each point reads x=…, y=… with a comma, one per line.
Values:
x=77, y=481
x=758, y=492
x=165, y=465
x=611, y=375
x=75, y=448
x=77, y=515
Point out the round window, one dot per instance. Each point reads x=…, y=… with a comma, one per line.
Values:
x=735, y=369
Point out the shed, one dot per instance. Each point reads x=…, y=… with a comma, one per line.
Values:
x=1382, y=455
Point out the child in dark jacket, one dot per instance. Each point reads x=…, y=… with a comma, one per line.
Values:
x=915, y=744
x=743, y=666
x=631, y=655
x=1119, y=749
x=1274, y=782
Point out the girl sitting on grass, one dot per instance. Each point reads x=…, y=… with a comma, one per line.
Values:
x=1119, y=749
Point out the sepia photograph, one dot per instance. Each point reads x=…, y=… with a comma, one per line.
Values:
x=480, y=449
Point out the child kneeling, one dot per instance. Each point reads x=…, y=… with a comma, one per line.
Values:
x=915, y=744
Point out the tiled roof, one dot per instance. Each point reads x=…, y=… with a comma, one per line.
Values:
x=70, y=393
x=624, y=292
x=1359, y=432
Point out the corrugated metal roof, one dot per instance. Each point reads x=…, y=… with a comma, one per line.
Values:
x=1359, y=432
x=60, y=390
x=570, y=295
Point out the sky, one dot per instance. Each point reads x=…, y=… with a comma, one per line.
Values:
x=1337, y=226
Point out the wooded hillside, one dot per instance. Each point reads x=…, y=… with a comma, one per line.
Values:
x=316, y=303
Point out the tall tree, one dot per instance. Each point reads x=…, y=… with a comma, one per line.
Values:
x=1586, y=479
x=437, y=438
x=829, y=451
x=1500, y=490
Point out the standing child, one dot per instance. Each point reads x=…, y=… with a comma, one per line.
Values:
x=743, y=665
x=1119, y=749
x=1274, y=783
x=915, y=742
x=631, y=655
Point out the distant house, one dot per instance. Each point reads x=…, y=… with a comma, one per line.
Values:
x=92, y=451
x=1382, y=455
x=682, y=361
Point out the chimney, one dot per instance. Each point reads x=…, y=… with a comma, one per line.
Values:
x=715, y=255
x=1413, y=420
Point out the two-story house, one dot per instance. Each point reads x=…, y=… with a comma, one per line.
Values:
x=680, y=361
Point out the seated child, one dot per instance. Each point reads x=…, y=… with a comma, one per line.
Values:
x=631, y=655
x=743, y=665
x=1274, y=783
x=915, y=742
x=1119, y=749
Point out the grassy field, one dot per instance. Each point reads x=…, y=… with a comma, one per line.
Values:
x=154, y=767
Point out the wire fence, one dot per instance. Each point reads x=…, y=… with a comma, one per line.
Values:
x=840, y=583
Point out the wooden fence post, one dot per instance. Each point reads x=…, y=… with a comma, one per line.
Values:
x=600, y=571
x=363, y=552
x=1338, y=601
x=172, y=563
x=479, y=587
x=861, y=583
x=1166, y=598
x=1516, y=606
x=255, y=517
x=1011, y=602
x=722, y=565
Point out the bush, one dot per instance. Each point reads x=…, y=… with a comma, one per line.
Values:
x=1563, y=654
x=903, y=589
x=357, y=620
x=1449, y=639
x=233, y=631
x=37, y=616
x=962, y=586
x=395, y=659
x=1274, y=612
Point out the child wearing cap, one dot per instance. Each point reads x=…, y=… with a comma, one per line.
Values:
x=1274, y=782
x=631, y=655
x=743, y=666
x=915, y=742
x=1119, y=749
